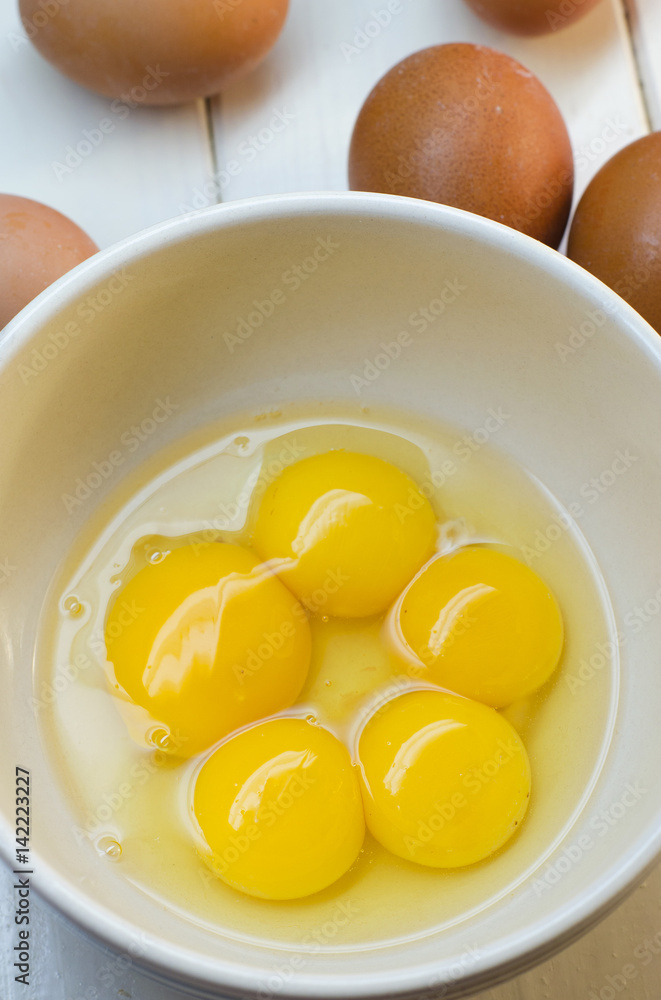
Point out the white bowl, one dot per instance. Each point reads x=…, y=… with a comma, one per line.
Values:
x=524, y=328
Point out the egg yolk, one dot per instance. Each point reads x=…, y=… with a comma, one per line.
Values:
x=446, y=781
x=206, y=641
x=345, y=532
x=279, y=807
x=482, y=624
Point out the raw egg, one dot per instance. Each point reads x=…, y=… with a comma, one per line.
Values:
x=37, y=246
x=280, y=809
x=155, y=51
x=205, y=641
x=616, y=230
x=482, y=624
x=345, y=532
x=470, y=127
x=531, y=17
x=446, y=781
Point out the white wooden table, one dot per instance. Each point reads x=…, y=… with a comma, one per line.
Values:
x=605, y=73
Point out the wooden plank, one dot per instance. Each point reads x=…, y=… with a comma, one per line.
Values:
x=326, y=63
x=645, y=18
x=112, y=183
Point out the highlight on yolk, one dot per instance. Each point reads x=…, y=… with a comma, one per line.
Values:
x=346, y=532
x=446, y=781
x=206, y=641
x=279, y=807
x=482, y=624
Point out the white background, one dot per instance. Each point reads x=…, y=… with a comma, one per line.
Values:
x=604, y=72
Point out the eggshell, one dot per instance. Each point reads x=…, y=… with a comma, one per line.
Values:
x=467, y=126
x=154, y=51
x=531, y=17
x=616, y=229
x=37, y=246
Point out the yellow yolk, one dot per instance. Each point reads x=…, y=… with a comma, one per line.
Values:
x=446, y=781
x=206, y=641
x=280, y=809
x=482, y=624
x=346, y=532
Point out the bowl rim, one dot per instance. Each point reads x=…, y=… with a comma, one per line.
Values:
x=553, y=930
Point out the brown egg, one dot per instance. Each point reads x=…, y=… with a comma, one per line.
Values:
x=467, y=126
x=37, y=246
x=616, y=230
x=154, y=51
x=531, y=17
